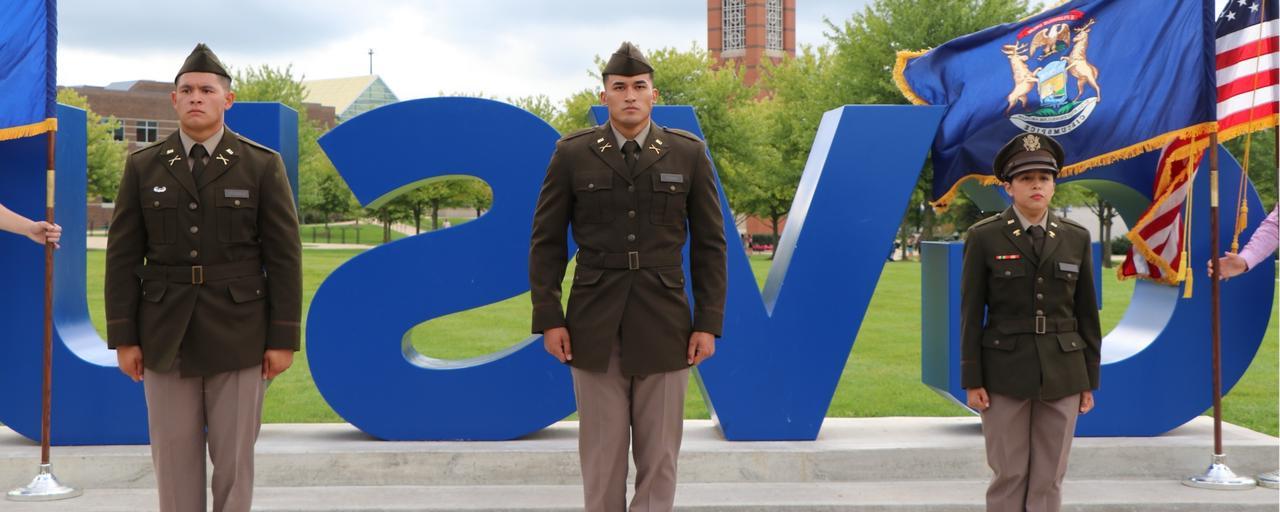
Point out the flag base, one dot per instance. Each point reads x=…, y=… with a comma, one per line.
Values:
x=1220, y=478
x=44, y=487
x=1270, y=480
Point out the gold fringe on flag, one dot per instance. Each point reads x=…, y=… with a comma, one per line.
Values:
x=29, y=130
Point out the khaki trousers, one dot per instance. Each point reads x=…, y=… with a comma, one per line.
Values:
x=1027, y=446
x=612, y=410
x=228, y=406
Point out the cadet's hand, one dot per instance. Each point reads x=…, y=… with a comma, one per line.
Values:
x=702, y=345
x=1231, y=265
x=129, y=357
x=978, y=399
x=275, y=361
x=1086, y=402
x=41, y=232
x=556, y=341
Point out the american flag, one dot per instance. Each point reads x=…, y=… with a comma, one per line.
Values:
x=1248, y=79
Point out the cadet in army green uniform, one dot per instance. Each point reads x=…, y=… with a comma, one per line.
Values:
x=1032, y=366
x=204, y=290
x=633, y=192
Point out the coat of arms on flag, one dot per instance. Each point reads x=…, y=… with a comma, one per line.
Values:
x=1065, y=83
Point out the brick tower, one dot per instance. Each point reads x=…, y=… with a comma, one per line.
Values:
x=748, y=31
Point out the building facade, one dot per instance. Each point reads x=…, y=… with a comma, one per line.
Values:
x=352, y=96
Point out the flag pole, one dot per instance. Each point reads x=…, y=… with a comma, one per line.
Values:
x=45, y=486
x=1218, y=476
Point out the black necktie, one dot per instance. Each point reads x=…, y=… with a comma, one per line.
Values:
x=1037, y=238
x=630, y=152
x=198, y=154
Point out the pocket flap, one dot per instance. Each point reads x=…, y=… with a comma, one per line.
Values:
x=672, y=278
x=585, y=276
x=997, y=340
x=246, y=290
x=1070, y=341
x=592, y=182
x=153, y=291
x=669, y=185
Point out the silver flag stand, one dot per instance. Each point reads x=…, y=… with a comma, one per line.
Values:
x=1270, y=480
x=45, y=486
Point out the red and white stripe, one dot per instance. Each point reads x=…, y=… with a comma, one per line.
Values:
x=1248, y=74
x=1160, y=228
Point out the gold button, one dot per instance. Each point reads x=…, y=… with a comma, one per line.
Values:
x=237, y=202
x=195, y=229
x=156, y=204
x=195, y=253
x=1039, y=296
x=673, y=187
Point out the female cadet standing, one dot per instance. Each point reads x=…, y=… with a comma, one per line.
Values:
x=1032, y=366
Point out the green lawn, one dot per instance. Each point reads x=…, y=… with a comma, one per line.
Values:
x=882, y=377
x=365, y=234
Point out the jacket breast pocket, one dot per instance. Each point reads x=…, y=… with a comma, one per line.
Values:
x=1067, y=270
x=670, y=191
x=593, y=198
x=160, y=214
x=237, y=216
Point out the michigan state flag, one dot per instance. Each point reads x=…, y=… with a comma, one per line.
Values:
x=28, y=43
x=1109, y=79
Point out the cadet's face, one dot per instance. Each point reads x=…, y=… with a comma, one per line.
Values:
x=629, y=99
x=1031, y=192
x=200, y=100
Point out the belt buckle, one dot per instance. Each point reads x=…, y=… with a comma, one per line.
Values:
x=197, y=274
x=633, y=260
x=1040, y=324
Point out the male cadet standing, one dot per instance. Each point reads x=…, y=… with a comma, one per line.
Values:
x=633, y=192
x=204, y=290
x=1033, y=365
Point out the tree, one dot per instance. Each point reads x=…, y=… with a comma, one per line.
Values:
x=321, y=191
x=1262, y=163
x=865, y=50
x=105, y=155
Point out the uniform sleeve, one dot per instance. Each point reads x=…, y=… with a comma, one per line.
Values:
x=126, y=248
x=281, y=257
x=548, y=245
x=706, y=248
x=973, y=309
x=1086, y=311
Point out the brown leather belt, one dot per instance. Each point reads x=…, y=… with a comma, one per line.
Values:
x=1032, y=325
x=633, y=260
x=199, y=274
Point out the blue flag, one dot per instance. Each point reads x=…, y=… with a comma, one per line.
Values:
x=1045, y=74
x=28, y=87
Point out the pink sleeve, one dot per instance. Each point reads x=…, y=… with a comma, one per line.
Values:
x=1263, y=242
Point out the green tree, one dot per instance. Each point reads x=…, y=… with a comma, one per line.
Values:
x=575, y=111
x=321, y=192
x=105, y=155
x=1262, y=163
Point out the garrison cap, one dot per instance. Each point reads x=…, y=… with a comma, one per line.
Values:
x=202, y=60
x=627, y=61
x=1028, y=152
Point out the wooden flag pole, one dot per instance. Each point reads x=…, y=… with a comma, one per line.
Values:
x=45, y=486
x=1218, y=476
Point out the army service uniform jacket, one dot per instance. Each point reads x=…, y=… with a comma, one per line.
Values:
x=209, y=273
x=1040, y=339
x=630, y=227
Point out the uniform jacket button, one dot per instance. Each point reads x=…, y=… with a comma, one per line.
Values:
x=195, y=229
x=673, y=187
x=194, y=253
x=591, y=185
x=156, y=204
x=192, y=206
x=1039, y=296
x=631, y=188
x=631, y=213
x=1008, y=273
x=237, y=202
x=997, y=342
x=631, y=238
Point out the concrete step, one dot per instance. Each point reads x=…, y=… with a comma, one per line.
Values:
x=917, y=496
x=848, y=450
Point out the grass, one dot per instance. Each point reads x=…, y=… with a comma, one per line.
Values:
x=366, y=234
x=882, y=377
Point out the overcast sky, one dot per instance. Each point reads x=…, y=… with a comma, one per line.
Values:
x=502, y=48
